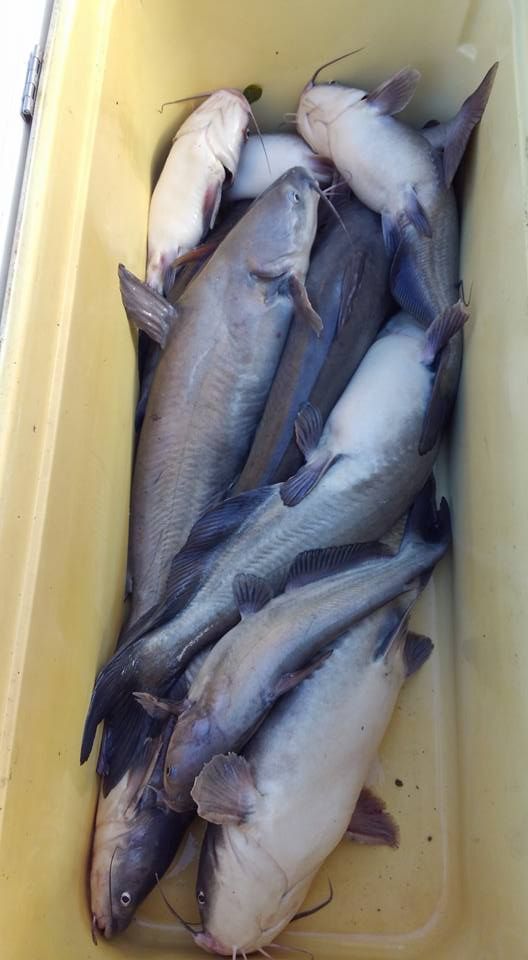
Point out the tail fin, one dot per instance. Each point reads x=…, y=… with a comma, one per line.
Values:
x=112, y=684
x=145, y=308
x=461, y=127
x=427, y=523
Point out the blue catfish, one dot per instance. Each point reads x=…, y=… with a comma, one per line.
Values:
x=222, y=343
x=266, y=843
x=347, y=284
x=405, y=175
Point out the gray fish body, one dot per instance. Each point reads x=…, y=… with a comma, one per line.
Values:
x=213, y=378
x=319, y=741
x=347, y=283
x=151, y=350
x=425, y=281
x=245, y=672
x=135, y=840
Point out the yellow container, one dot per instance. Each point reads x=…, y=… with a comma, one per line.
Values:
x=458, y=886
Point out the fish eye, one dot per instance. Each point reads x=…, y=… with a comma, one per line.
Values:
x=294, y=196
x=331, y=83
x=201, y=897
x=125, y=898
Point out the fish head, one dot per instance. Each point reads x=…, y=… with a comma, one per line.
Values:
x=320, y=105
x=195, y=739
x=124, y=869
x=224, y=120
x=280, y=226
x=239, y=889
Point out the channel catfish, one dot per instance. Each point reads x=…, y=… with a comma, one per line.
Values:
x=279, y=641
x=187, y=195
x=135, y=837
x=149, y=352
x=266, y=157
x=361, y=476
x=347, y=284
x=221, y=345
x=267, y=843
x=405, y=175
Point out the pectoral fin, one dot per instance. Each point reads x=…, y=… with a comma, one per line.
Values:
x=308, y=428
x=415, y=213
x=302, y=304
x=145, y=308
x=225, y=791
x=394, y=94
x=370, y=822
x=298, y=487
x=201, y=252
x=211, y=204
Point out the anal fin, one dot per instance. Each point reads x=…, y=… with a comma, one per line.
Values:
x=370, y=823
x=443, y=327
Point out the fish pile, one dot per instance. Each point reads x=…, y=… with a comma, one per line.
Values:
x=299, y=362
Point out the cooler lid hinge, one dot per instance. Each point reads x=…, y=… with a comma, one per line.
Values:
x=29, y=95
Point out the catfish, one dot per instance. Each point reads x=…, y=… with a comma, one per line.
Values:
x=187, y=195
x=221, y=345
x=265, y=842
x=149, y=352
x=347, y=283
x=405, y=175
x=135, y=836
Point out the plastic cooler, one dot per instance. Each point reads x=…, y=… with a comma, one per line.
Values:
x=454, y=757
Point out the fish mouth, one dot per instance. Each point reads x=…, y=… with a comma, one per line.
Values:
x=102, y=924
x=209, y=943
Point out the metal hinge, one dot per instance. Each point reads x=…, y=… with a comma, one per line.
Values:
x=31, y=85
